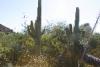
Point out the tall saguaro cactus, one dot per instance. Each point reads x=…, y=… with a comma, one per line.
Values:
x=79, y=49
x=76, y=46
x=38, y=23
x=76, y=32
x=76, y=28
x=35, y=30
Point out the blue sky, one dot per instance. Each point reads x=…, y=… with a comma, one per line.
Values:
x=12, y=12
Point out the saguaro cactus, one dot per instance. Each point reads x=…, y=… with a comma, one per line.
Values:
x=76, y=32
x=75, y=48
x=76, y=28
x=78, y=48
x=35, y=30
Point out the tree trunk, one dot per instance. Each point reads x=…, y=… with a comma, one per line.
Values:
x=91, y=60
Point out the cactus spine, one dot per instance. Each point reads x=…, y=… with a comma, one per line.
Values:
x=35, y=31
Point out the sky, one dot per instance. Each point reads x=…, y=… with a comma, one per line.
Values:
x=12, y=12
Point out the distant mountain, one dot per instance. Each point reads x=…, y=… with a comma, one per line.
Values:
x=5, y=29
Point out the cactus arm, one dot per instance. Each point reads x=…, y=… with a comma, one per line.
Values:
x=31, y=30
x=70, y=28
x=28, y=29
x=32, y=27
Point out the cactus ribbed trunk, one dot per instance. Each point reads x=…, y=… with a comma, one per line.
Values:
x=79, y=49
x=35, y=31
x=78, y=55
x=76, y=45
x=38, y=21
x=38, y=29
x=76, y=28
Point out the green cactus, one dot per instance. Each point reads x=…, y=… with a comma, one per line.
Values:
x=75, y=48
x=31, y=30
x=76, y=27
x=76, y=45
x=34, y=30
x=70, y=28
x=77, y=33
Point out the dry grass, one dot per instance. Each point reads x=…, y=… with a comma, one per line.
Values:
x=28, y=60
